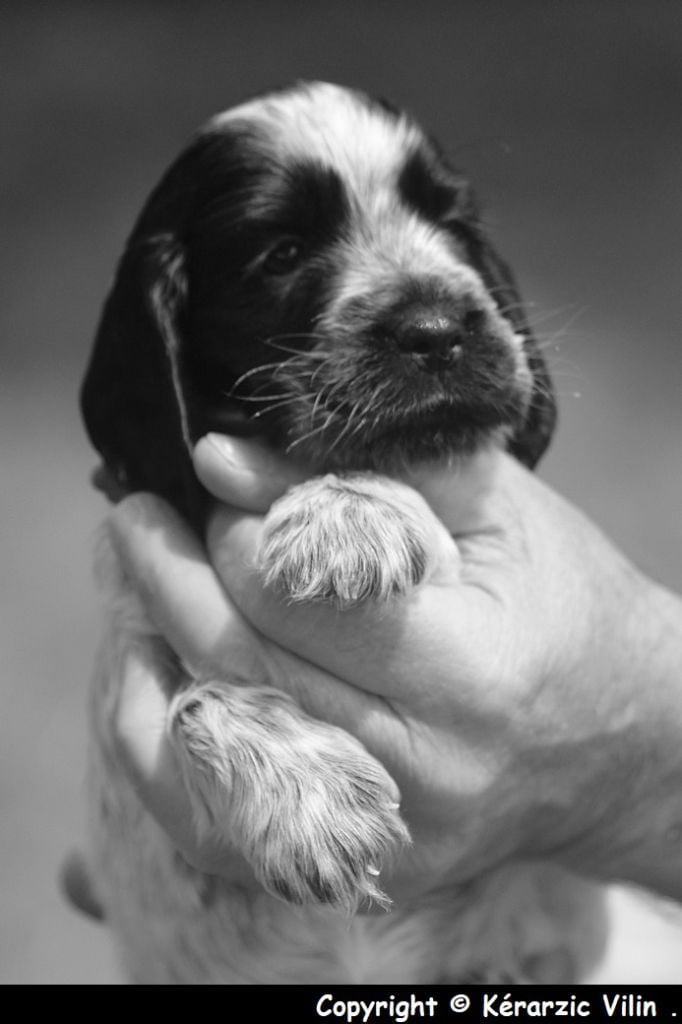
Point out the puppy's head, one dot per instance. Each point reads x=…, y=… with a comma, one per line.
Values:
x=311, y=270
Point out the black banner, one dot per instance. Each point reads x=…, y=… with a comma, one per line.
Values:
x=403, y=1004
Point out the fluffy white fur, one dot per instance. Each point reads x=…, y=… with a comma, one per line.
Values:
x=348, y=539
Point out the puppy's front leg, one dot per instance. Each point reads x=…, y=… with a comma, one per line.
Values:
x=348, y=539
x=313, y=813
x=304, y=802
x=309, y=808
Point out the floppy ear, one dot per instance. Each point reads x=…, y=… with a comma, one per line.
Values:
x=531, y=439
x=134, y=397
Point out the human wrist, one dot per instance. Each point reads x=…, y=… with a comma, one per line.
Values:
x=649, y=848
x=634, y=825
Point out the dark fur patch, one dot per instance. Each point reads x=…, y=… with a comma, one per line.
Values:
x=427, y=188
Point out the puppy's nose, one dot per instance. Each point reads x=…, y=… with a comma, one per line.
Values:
x=438, y=338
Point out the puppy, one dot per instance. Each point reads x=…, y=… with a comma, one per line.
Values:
x=311, y=271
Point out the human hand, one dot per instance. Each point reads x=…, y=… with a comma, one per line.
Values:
x=500, y=695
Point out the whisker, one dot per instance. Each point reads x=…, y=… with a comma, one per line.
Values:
x=315, y=335
x=250, y=373
x=254, y=398
x=311, y=355
x=320, y=399
x=310, y=433
x=317, y=369
x=552, y=313
x=274, y=341
x=276, y=367
x=344, y=430
x=291, y=400
x=512, y=307
x=555, y=340
x=350, y=428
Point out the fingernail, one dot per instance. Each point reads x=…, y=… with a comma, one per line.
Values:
x=224, y=446
x=243, y=456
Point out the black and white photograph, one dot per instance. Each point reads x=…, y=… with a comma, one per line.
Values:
x=341, y=399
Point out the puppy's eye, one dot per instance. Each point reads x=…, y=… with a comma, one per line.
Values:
x=284, y=257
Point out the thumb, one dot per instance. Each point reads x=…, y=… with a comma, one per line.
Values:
x=243, y=473
x=463, y=491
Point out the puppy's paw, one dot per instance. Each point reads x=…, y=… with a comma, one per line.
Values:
x=346, y=539
x=314, y=814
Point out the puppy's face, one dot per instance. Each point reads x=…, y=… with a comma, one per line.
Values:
x=312, y=270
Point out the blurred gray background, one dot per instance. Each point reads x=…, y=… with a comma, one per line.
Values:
x=567, y=117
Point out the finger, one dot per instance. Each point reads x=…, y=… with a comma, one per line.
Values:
x=464, y=492
x=329, y=698
x=103, y=480
x=242, y=473
x=140, y=734
x=168, y=568
x=76, y=884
